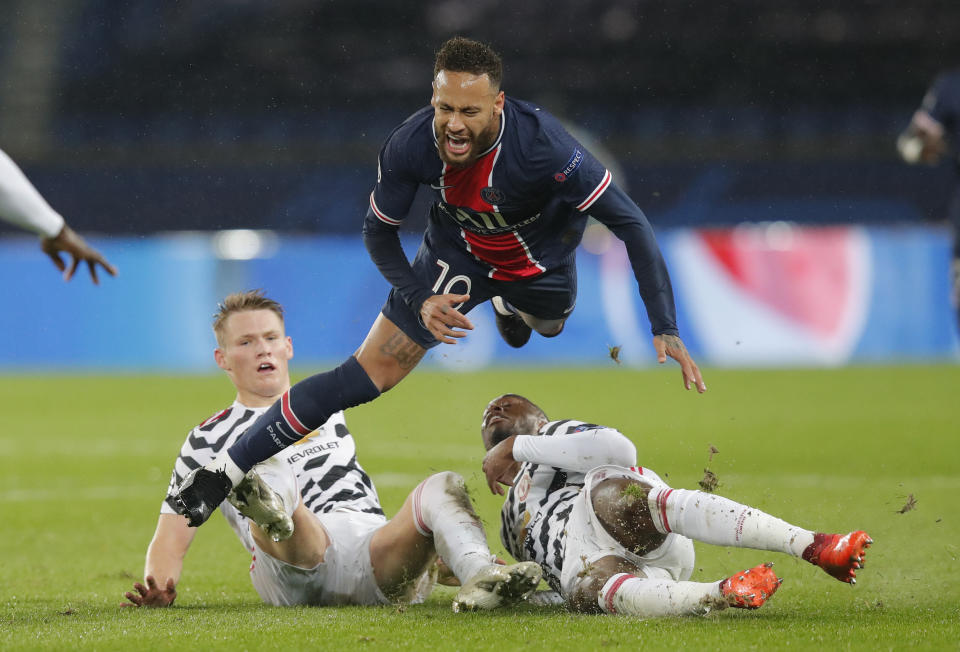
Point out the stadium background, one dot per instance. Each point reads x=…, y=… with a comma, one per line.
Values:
x=757, y=136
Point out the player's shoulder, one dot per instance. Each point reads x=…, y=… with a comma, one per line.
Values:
x=415, y=131
x=544, y=144
x=217, y=417
x=532, y=122
x=236, y=416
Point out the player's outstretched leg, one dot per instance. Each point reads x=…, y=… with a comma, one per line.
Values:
x=497, y=586
x=513, y=329
x=839, y=555
x=656, y=597
x=442, y=511
x=267, y=495
x=750, y=588
x=720, y=521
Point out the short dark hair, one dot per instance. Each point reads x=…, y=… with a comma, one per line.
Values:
x=461, y=54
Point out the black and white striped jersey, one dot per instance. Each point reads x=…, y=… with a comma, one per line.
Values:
x=534, y=517
x=325, y=462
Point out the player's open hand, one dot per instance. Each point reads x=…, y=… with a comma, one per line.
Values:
x=500, y=467
x=671, y=345
x=151, y=595
x=69, y=242
x=441, y=316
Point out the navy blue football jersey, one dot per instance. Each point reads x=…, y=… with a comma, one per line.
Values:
x=521, y=208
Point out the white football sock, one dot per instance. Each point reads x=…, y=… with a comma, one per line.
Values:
x=503, y=306
x=714, y=519
x=651, y=598
x=442, y=509
x=223, y=462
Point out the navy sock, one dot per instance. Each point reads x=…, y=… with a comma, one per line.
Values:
x=302, y=409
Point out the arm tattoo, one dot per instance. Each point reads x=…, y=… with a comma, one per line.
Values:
x=673, y=343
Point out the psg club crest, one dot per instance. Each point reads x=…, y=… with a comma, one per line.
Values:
x=492, y=196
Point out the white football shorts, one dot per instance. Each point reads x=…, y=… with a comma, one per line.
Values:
x=345, y=577
x=588, y=541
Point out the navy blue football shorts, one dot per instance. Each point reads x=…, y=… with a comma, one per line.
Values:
x=551, y=295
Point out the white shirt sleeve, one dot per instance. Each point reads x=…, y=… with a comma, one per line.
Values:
x=21, y=203
x=577, y=452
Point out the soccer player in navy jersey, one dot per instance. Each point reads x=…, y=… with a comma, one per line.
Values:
x=21, y=204
x=513, y=192
x=933, y=132
x=612, y=537
x=311, y=517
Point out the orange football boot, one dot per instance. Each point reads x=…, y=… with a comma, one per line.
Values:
x=840, y=555
x=751, y=588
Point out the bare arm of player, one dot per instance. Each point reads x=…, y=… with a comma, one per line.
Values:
x=672, y=345
x=500, y=467
x=440, y=316
x=165, y=555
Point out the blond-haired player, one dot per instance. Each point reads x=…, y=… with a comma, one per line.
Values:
x=316, y=531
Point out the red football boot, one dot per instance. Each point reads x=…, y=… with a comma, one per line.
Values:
x=840, y=555
x=751, y=588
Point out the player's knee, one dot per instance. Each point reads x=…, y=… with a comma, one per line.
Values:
x=437, y=495
x=619, y=499
x=552, y=332
x=545, y=327
x=449, y=481
x=447, y=486
x=621, y=507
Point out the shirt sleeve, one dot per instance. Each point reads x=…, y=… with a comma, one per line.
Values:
x=624, y=218
x=390, y=203
x=191, y=457
x=577, y=177
x=584, y=183
x=397, y=181
x=942, y=101
x=578, y=452
x=383, y=244
x=21, y=203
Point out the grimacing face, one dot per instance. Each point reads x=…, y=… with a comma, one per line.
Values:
x=509, y=415
x=466, y=116
x=255, y=352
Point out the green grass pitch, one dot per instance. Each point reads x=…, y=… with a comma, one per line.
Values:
x=84, y=462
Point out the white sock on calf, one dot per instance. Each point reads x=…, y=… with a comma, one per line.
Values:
x=723, y=522
x=651, y=598
x=442, y=509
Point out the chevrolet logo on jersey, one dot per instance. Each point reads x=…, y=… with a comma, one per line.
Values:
x=482, y=222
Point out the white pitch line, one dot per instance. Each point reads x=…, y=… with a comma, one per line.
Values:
x=85, y=493
x=382, y=480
